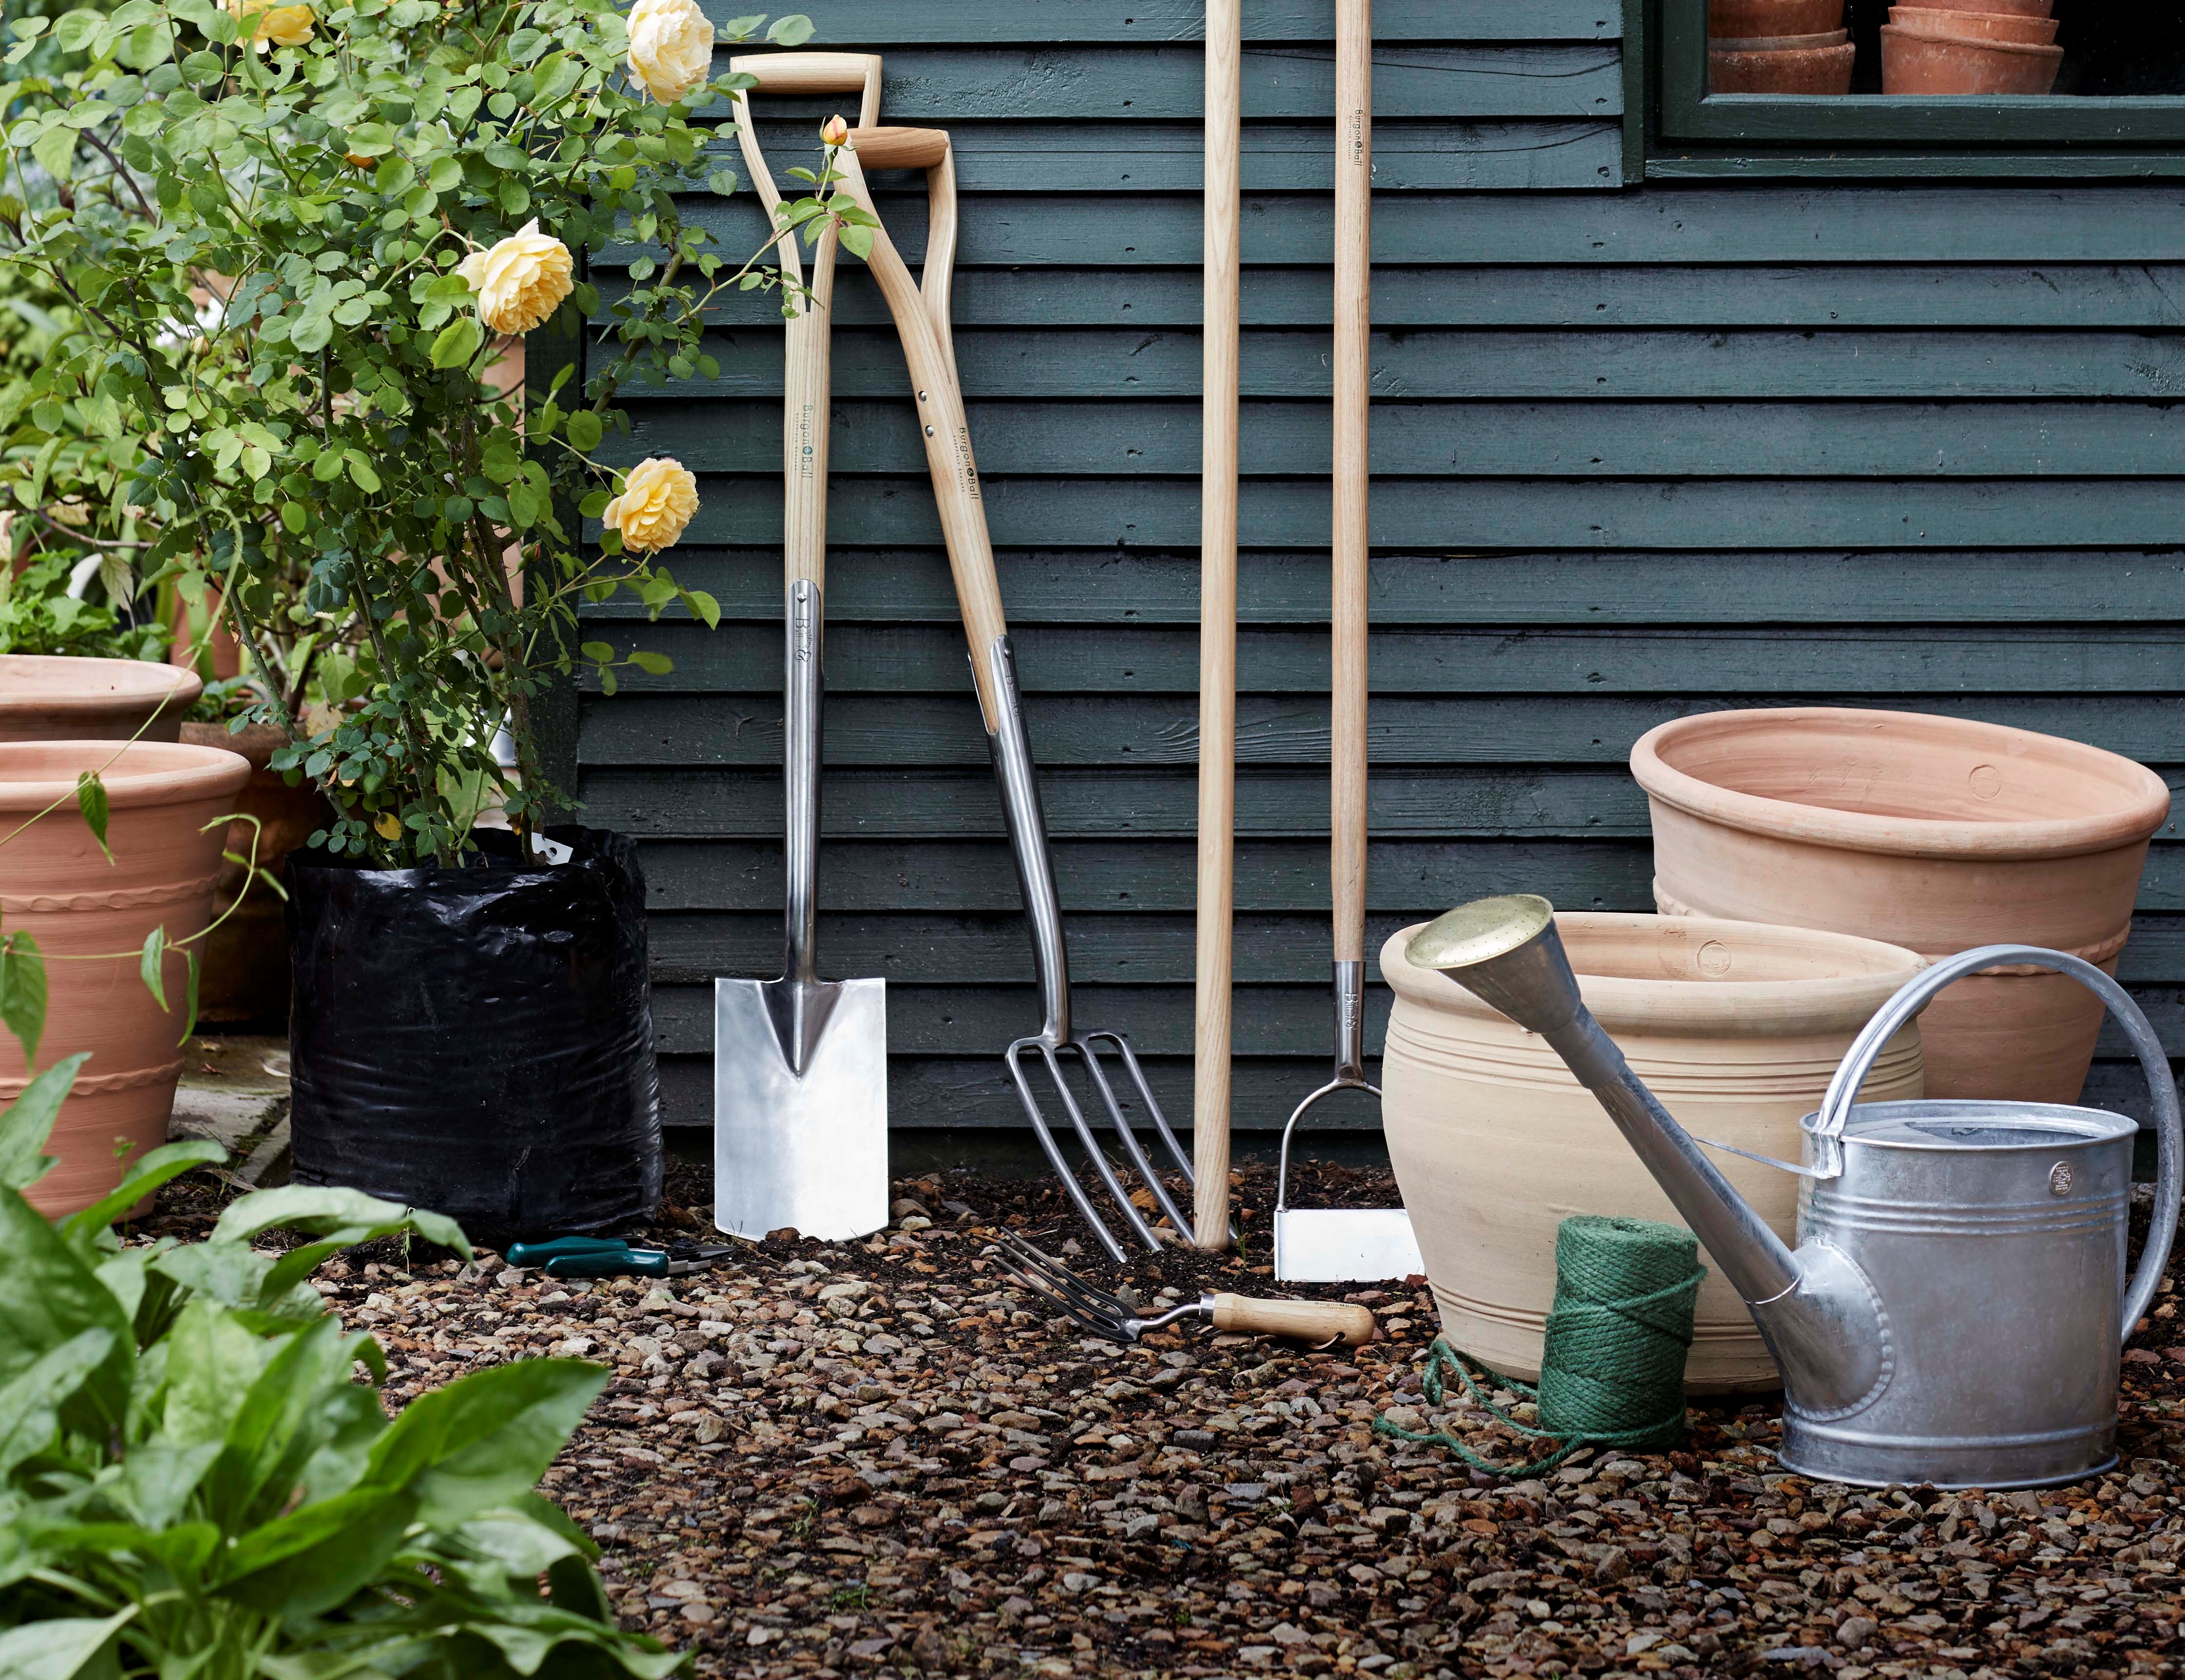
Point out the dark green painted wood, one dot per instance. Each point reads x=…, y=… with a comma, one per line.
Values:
x=1408, y=155
x=873, y=24
x=1521, y=439
x=2040, y=586
x=2047, y=296
x=672, y=731
x=2079, y=162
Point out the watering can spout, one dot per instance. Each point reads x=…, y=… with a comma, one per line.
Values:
x=1815, y=1306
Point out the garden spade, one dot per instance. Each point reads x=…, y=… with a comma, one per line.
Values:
x=800, y=1064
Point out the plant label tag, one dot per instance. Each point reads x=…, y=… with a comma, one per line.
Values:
x=553, y=851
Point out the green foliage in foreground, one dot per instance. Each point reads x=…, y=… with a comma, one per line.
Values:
x=194, y=1482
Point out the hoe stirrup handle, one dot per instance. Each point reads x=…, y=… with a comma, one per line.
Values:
x=816, y=73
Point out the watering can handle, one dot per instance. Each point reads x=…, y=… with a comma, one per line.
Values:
x=1913, y=995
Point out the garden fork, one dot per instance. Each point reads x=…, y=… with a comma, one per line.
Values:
x=1104, y=1314
x=921, y=320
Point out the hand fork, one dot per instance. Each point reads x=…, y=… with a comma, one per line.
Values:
x=1106, y=1315
x=921, y=317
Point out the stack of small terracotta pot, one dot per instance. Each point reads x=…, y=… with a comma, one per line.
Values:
x=1959, y=46
x=1778, y=47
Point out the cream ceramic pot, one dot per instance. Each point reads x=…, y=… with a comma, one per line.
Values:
x=1937, y=832
x=1735, y=1026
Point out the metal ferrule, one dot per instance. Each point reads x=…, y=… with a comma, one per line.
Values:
x=1027, y=829
x=1349, y=1022
x=803, y=691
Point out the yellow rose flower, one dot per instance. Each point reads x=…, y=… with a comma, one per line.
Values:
x=671, y=47
x=521, y=280
x=272, y=25
x=656, y=504
x=834, y=132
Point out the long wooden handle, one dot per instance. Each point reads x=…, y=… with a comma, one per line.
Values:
x=817, y=73
x=1353, y=285
x=1305, y=1320
x=948, y=436
x=1217, y=624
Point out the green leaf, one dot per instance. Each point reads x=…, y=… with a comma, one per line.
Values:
x=90, y=801
x=458, y=342
x=856, y=240
x=273, y=1431
x=318, y=1556
x=598, y=652
x=55, y=152
x=595, y=504
x=324, y=1209
x=62, y=1649
x=700, y=604
x=793, y=30
x=23, y=992
x=30, y=1402
x=48, y=1294
x=169, y=1161
x=214, y=1361
x=652, y=664
x=28, y=1121
x=585, y=430
x=484, y=1438
x=149, y=966
x=361, y=471
x=192, y=972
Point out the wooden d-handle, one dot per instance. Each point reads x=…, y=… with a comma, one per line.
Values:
x=901, y=148
x=1305, y=1320
x=817, y=73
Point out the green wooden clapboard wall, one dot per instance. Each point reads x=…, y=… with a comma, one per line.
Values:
x=1641, y=450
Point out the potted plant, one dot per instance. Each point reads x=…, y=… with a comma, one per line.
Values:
x=362, y=204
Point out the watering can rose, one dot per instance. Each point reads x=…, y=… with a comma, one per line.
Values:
x=655, y=508
x=272, y=26
x=671, y=47
x=520, y=281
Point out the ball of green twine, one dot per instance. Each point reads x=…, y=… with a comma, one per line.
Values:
x=1612, y=1363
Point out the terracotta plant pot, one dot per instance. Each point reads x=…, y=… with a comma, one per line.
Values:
x=1782, y=43
x=1937, y=832
x=1973, y=25
x=56, y=697
x=56, y=884
x=2016, y=8
x=1813, y=70
x=1737, y=1027
x=1741, y=19
x=246, y=959
x=1919, y=63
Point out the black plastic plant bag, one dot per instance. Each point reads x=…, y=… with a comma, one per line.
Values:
x=478, y=1041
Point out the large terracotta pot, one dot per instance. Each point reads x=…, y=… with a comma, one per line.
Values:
x=58, y=697
x=1922, y=64
x=56, y=884
x=1802, y=70
x=1736, y=1027
x=1937, y=832
x=1737, y=19
x=246, y=958
x=1973, y=25
x=2015, y=8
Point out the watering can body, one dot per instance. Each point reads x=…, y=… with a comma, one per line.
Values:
x=1993, y=1236
x=1956, y=1306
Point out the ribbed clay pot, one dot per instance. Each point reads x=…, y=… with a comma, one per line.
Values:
x=1936, y=833
x=1736, y=1027
x=58, y=697
x=2016, y=8
x=1973, y=25
x=1807, y=71
x=1923, y=65
x=1740, y=19
x=246, y=958
x=57, y=886
x=1783, y=44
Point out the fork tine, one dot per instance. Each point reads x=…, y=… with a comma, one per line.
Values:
x=1123, y=1128
x=1083, y=1316
x=1061, y=1277
x=1175, y=1152
x=1090, y=1313
x=1038, y=1116
x=1092, y=1147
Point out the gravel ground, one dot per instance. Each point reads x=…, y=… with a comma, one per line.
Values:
x=878, y=1458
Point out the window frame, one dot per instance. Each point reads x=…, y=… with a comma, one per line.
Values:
x=1688, y=115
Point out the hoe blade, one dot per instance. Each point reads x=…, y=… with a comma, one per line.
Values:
x=809, y=1146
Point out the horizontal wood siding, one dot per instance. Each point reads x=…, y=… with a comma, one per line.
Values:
x=1639, y=454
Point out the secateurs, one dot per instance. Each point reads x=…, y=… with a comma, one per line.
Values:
x=613, y=1257
x=1106, y=1315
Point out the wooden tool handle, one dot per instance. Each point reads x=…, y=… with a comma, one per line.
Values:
x=1306, y=1321
x=1217, y=626
x=806, y=406
x=948, y=437
x=817, y=73
x=1354, y=271
x=895, y=147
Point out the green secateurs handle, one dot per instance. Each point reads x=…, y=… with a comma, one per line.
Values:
x=611, y=1257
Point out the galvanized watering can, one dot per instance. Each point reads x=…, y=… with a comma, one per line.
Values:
x=1955, y=1306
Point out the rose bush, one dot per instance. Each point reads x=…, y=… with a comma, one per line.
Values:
x=349, y=207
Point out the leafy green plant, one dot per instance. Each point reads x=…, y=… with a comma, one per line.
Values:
x=38, y=615
x=355, y=207
x=195, y=1482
